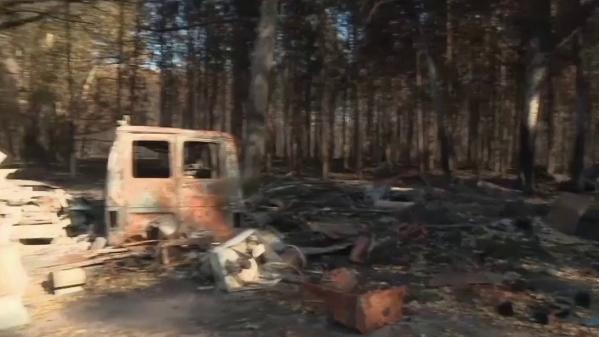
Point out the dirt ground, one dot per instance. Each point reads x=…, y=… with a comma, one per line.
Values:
x=463, y=237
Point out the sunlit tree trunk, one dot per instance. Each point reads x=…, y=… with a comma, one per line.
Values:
x=536, y=72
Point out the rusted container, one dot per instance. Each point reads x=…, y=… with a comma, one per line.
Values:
x=365, y=311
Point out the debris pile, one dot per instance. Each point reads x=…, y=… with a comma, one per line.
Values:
x=243, y=261
x=368, y=266
x=36, y=210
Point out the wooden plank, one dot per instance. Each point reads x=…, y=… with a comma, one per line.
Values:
x=98, y=260
x=37, y=232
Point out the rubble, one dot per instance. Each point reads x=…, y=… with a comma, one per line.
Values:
x=567, y=211
x=583, y=299
x=506, y=309
x=361, y=249
x=393, y=198
x=235, y=263
x=338, y=229
x=460, y=259
x=294, y=257
x=456, y=279
x=36, y=210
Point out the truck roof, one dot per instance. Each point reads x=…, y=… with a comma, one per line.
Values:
x=173, y=131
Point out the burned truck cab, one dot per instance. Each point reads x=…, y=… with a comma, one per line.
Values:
x=165, y=182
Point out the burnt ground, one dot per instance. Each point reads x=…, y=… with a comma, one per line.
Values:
x=459, y=264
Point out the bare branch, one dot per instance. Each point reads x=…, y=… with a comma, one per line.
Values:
x=195, y=25
x=585, y=11
x=376, y=7
x=19, y=22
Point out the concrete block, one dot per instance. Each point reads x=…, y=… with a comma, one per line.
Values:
x=68, y=278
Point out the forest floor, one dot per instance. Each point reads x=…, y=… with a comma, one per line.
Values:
x=476, y=253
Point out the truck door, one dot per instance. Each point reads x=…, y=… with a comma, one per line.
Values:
x=150, y=185
x=202, y=204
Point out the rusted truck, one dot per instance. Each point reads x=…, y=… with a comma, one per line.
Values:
x=165, y=182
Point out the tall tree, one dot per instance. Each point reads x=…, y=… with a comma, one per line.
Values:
x=537, y=40
x=262, y=63
x=243, y=37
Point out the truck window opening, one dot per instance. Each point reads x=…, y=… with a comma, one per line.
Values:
x=201, y=160
x=151, y=159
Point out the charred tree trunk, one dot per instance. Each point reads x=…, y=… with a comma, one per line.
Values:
x=440, y=103
x=358, y=138
x=327, y=127
x=551, y=123
x=71, y=94
x=421, y=130
x=307, y=127
x=212, y=103
x=262, y=62
x=243, y=37
x=138, y=118
x=188, y=119
x=121, y=59
x=582, y=113
x=325, y=136
x=345, y=150
x=287, y=120
x=369, y=132
x=165, y=63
